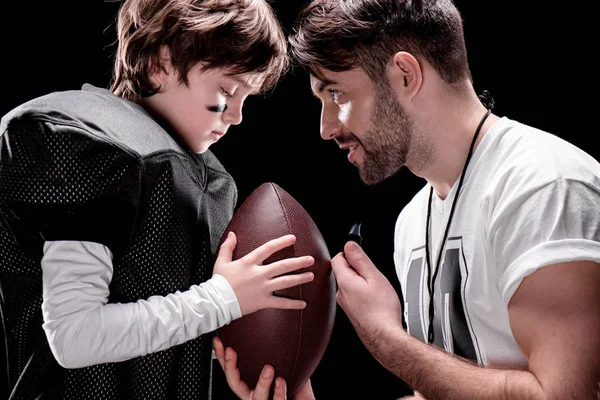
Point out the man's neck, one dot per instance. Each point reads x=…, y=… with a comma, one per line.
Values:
x=451, y=140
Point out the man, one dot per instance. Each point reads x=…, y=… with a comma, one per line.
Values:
x=498, y=255
x=112, y=209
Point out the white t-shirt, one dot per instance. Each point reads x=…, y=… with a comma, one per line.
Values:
x=529, y=199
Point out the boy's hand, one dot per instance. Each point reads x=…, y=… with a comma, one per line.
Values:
x=254, y=283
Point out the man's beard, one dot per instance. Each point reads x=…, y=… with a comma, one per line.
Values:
x=387, y=141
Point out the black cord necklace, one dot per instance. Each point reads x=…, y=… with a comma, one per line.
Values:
x=489, y=103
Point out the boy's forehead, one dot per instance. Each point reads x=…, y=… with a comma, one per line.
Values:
x=249, y=80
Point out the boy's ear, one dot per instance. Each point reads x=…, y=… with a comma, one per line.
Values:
x=162, y=72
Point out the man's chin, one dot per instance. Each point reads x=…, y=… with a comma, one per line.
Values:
x=367, y=178
x=370, y=177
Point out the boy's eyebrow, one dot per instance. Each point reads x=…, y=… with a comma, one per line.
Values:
x=244, y=84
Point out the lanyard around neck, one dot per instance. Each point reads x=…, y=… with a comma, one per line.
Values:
x=430, y=279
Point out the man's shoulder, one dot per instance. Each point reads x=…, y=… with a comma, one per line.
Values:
x=522, y=155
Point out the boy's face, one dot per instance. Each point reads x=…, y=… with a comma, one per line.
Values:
x=202, y=111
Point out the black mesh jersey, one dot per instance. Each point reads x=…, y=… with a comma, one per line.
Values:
x=86, y=165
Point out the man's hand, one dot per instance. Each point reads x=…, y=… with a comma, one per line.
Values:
x=254, y=283
x=364, y=293
x=228, y=360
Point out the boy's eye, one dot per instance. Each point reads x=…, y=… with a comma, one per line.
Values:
x=226, y=93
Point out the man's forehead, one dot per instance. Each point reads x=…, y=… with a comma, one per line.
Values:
x=323, y=75
x=321, y=78
x=318, y=83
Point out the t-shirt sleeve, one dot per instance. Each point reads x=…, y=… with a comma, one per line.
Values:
x=60, y=182
x=554, y=223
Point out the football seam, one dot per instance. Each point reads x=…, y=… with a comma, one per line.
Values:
x=287, y=222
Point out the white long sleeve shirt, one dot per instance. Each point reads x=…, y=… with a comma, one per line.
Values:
x=83, y=329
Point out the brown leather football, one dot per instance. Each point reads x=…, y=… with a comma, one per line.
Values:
x=292, y=341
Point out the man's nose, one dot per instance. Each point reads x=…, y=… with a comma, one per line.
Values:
x=330, y=123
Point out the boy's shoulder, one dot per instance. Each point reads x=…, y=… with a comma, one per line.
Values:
x=99, y=115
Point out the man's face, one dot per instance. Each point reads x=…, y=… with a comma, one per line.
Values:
x=365, y=119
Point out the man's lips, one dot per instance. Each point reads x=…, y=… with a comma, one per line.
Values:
x=351, y=147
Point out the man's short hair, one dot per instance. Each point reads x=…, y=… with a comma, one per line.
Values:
x=338, y=35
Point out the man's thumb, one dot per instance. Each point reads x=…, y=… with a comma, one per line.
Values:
x=358, y=259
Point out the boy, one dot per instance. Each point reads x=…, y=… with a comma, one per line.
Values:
x=112, y=207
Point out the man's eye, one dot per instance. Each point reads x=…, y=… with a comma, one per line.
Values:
x=335, y=94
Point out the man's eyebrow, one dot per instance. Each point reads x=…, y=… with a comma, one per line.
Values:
x=323, y=83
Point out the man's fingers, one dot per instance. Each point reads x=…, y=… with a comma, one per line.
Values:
x=219, y=351
x=344, y=276
x=265, y=251
x=341, y=269
x=358, y=259
x=226, y=250
x=289, y=265
x=232, y=373
x=263, y=386
x=280, y=392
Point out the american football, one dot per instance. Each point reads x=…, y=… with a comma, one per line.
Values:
x=292, y=341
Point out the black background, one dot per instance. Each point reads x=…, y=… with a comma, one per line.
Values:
x=536, y=61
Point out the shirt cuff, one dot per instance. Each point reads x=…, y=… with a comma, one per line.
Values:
x=224, y=288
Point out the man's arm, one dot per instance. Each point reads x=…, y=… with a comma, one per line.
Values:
x=555, y=317
x=440, y=375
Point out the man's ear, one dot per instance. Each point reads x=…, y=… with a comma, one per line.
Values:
x=162, y=72
x=405, y=75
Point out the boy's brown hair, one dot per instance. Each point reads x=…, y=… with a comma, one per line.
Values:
x=237, y=35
